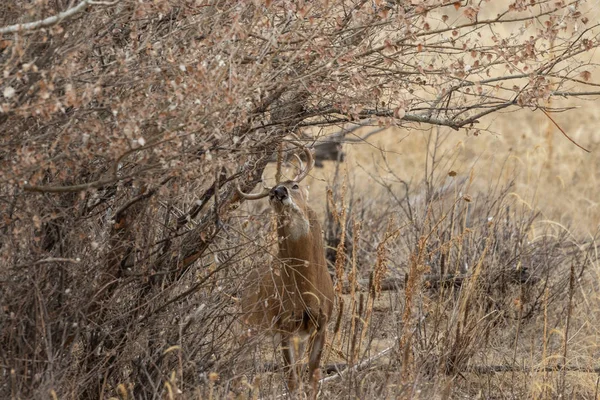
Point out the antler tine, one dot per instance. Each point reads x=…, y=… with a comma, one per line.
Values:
x=254, y=196
x=310, y=162
x=300, y=163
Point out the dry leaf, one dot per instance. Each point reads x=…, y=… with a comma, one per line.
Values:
x=586, y=75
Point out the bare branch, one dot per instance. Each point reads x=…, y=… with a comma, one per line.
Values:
x=84, y=186
x=363, y=364
x=563, y=131
x=50, y=260
x=47, y=21
x=493, y=369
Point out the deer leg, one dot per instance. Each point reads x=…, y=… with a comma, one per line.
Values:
x=316, y=350
x=289, y=368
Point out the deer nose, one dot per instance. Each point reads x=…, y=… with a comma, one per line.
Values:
x=280, y=193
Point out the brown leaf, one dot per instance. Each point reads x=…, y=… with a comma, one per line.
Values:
x=456, y=5
x=452, y=173
x=4, y=44
x=471, y=13
x=586, y=75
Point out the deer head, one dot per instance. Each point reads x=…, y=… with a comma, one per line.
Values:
x=298, y=300
x=303, y=173
x=289, y=200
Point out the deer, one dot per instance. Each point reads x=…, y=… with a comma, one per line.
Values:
x=294, y=299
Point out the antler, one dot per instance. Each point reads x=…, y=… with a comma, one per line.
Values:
x=254, y=196
x=300, y=166
x=310, y=162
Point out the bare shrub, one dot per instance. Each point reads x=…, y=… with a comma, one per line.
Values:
x=125, y=126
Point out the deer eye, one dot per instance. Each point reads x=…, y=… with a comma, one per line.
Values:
x=295, y=186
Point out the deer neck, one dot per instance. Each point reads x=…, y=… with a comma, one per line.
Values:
x=293, y=224
x=303, y=267
x=297, y=240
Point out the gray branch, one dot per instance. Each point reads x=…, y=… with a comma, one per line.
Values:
x=50, y=20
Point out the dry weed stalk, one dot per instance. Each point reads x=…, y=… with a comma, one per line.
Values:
x=545, y=338
x=340, y=255
x=381, y=265
x=352, y=281
x=379, y=270
x=413, y=281
x=563, y=382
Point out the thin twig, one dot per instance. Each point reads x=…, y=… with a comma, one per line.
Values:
x=563, y=132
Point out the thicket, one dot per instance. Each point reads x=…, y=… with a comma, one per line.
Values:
x=126, y=125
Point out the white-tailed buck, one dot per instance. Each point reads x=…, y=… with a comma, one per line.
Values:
x=295, y=297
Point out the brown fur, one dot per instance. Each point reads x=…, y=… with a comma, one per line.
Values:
x=296, y=296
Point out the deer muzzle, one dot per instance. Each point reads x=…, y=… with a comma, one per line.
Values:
x=279, y=193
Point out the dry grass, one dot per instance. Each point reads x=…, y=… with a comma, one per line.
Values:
x=518, y=219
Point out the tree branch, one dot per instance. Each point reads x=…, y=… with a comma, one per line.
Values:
x=362, y=365
x=491, y=369
x=49, y=260
x=84, y=186
x=54, y=19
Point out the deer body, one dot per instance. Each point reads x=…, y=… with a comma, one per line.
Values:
x=295, y=297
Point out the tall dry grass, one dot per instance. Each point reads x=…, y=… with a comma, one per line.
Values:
x=456, y=282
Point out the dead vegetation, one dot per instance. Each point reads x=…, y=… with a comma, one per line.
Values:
x=485, y=290
x=124, y=247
